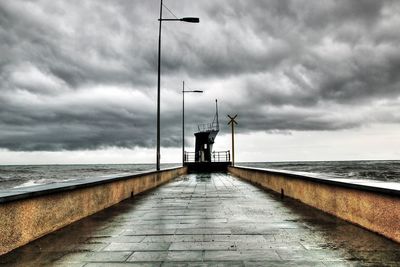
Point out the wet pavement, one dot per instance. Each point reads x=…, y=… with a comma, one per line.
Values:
x=208, y=220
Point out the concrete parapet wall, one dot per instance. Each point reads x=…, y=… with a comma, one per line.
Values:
x=376, y=209
x=26, y=217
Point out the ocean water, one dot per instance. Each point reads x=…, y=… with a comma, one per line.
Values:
x=381, y=170
x=12, y=176
x=28, y=175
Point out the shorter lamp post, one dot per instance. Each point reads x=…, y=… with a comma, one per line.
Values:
x=183, y=118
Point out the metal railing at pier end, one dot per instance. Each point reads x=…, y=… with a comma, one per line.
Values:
x=216, y=156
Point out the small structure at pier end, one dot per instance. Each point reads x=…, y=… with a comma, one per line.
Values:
x=204, y=159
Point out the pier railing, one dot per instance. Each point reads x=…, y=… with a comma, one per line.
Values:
x=372, y=205
x=29, y=213
x=216, y=156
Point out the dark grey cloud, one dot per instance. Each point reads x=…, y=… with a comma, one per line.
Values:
x=82, y=74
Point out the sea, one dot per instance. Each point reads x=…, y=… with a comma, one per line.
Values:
x=17, y=176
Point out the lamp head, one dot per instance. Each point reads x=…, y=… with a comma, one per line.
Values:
x=190, y=19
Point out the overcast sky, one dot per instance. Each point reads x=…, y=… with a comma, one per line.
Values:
x=310, y=80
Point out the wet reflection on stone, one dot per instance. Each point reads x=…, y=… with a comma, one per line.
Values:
x=203, y=177
x=208, y=220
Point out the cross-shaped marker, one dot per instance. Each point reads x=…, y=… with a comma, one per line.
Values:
x=232, y=122
x=232, y=119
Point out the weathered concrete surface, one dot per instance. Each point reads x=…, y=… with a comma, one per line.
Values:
x=208, y=220
x=376, y=211
x=24, y=220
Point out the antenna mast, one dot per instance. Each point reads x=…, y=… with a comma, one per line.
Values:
x=216, y=114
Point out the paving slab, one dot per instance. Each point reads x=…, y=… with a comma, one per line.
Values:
x=208, y=220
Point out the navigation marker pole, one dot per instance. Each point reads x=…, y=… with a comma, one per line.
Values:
x=232, y=122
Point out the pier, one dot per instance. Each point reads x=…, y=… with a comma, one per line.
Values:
x=310, y=89
x=208, y=219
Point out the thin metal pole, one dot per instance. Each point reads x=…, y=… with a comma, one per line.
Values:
x=183, y=123
x=158, y=90
x=233, y=144
x=216, y=108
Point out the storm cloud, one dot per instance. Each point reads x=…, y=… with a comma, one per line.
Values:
x=82, y=74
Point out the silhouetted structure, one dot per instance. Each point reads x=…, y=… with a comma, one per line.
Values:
x=204, y=158
x=205, y=138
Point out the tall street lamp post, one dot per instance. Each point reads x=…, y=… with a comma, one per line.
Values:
x=186, y=19
x=183, y=117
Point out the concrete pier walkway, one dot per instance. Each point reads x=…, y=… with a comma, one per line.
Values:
x=208, y=220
